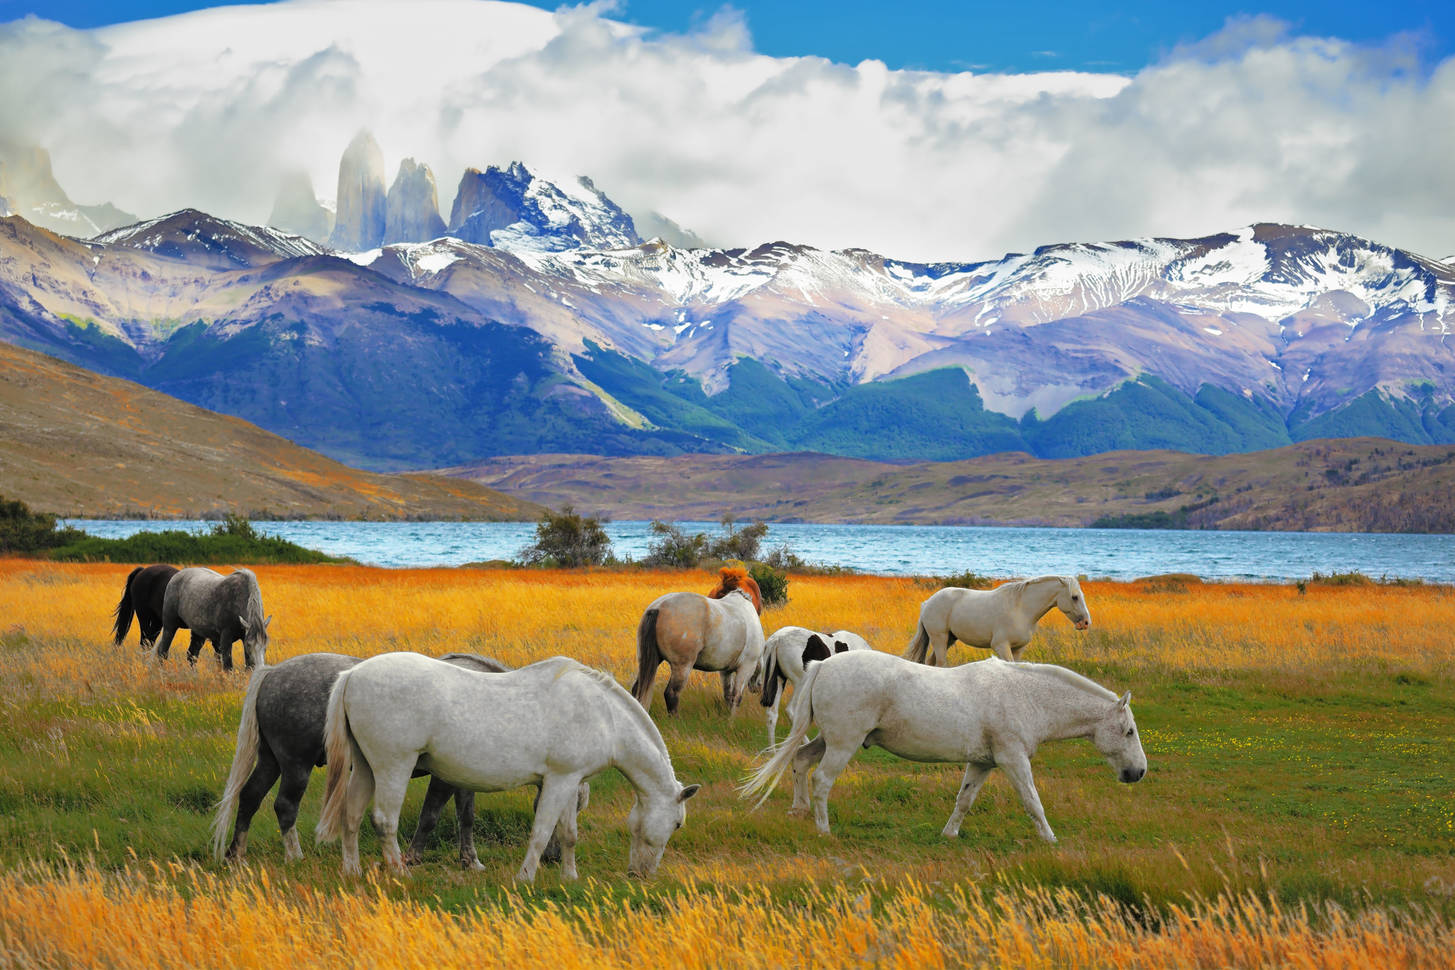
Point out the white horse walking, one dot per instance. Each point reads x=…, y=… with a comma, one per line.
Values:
x=791, y=649
x=552, y=724
x=1002, y=619
x=987, y=714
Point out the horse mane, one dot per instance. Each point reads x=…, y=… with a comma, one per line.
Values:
x=1020, y=585
x=736, y=577
x=1069, y=677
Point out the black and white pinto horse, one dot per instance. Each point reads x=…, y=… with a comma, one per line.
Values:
x=223, y=609
x=142, y=596
x=788, y=652
x=280, y=734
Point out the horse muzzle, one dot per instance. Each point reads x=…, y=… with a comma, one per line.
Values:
x=1083, y=624
x=1131, y=776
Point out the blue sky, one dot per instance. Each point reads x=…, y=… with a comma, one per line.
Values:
x=944, y=35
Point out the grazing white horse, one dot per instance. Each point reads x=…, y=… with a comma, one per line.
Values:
x=552, y=724
x=987, y=714
x=788, y=651
x=1002, y=619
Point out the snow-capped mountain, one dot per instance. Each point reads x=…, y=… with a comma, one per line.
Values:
x=1239, y=340
x=515, y=209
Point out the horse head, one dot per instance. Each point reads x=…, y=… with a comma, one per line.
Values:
x=736, y=578
x=255, y=641
x=1117, y=739
x=1071, y=602
x=651, y=823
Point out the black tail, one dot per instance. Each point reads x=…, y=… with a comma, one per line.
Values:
x=649, y=658
x=124, y=610
x=773, y=679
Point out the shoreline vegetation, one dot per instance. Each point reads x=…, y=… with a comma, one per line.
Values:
x=1296, y=809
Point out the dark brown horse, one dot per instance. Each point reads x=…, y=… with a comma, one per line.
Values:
x=719, y=631
x=142, y=597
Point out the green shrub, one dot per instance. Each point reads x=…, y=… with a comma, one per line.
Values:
x=674, y=548
x=232, y=541
x=568, y=539
x=772, y=583
x=967, y=579
x=24, y=531
x=735, y=543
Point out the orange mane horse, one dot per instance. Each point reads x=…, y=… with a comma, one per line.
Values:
x=719, y=632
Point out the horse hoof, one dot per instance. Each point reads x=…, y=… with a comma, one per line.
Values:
x=475, y=865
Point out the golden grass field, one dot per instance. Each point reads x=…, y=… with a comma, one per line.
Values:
x=1298, y=809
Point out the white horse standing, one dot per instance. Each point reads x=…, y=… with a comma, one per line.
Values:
x=553, y=724
x=1002, y=619
x=987, y=714
x=788, y=651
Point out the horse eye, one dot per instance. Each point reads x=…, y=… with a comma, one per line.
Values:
x=1131, y=731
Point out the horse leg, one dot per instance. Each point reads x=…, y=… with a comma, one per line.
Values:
x=356, y=799
x=1001, y=647
x=429, y=816
x=164, y=646
x=835, y=759
x=941, y=646
x=1018, y=767
x=771, y=711
x=194, y=646
x=285, y=806
x=558, y=792
x=739, y=686
x=804, y=760
x=975, y=775
x=222, y=646
x=552, y=853
x=465, y=823
x=390, y=787
x=564, y=837
x=727, y=691
x=675, y=683
x=265, y=772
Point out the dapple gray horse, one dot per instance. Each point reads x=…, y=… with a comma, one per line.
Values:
x=553, y=724
x=223, y=609
x=281, y=733
x=989, y=714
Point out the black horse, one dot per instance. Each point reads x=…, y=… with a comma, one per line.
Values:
x=142, y=597
x=281, y=733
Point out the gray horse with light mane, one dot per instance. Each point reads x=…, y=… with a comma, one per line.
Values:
x=223, y=609
x=1002, y=619
x=987, y=714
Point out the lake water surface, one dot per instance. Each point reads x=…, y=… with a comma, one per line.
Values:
x=907, y=549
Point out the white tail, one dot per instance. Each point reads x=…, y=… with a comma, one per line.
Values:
x=243, y=762
x=338, y=750
x=765, y=779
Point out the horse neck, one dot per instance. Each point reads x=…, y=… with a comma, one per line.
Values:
x=640, y=753
x=1033, y=592
x=1071, y=704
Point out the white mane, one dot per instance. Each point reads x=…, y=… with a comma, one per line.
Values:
x=1069, y=677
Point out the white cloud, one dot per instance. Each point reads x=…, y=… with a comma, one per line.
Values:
x=208, y=109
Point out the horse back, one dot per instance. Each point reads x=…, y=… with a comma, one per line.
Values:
x=293, y=702
x=683, y=625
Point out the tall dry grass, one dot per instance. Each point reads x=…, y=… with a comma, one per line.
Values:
x=186, y=918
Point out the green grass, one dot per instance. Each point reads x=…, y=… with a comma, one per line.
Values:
x=1325, y=786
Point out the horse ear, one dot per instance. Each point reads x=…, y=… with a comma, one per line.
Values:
x=688, y=792
x=1124, y=700
x=267, y=622
x=244, y=621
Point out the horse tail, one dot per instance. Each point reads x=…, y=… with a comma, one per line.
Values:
x=124, y=610
x=765, y=779
x=243, y=762
x=338, y=748
x=649, y=658
x=920, y=645
x=773, y=679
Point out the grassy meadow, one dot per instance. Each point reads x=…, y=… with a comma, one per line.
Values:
x=1298, y=809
